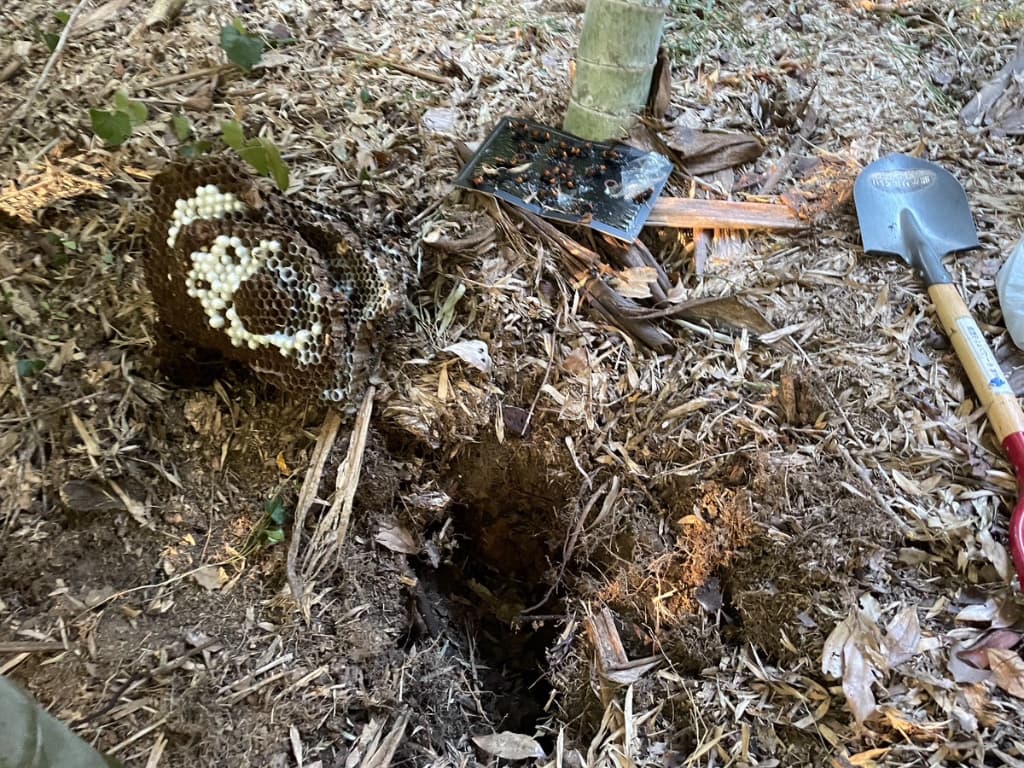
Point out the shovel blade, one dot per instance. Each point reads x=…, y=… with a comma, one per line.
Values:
x=898, y=190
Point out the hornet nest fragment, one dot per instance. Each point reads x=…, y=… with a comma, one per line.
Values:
x=283, y=287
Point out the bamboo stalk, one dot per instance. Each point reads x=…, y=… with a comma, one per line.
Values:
x=617, y=53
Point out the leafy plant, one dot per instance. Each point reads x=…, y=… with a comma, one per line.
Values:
x=262, y=154
x=182, y=126
x=116, y=125
x=242, y=48
x=50, y=39
x=270, y=528
x=28, y=368
x=276, y=516
x=183, y=131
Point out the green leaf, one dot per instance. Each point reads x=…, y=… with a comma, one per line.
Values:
x=195, y=148
x=276, y=168
x=262, y=154
x=231, y=130
x=112, y=127
x=265, y=158
x=51, y=40
x=63, y=17
x=27, y=368
x=274, y=535
x=182, y=126
x=136, y=110
x=242, y=49
x=276, y=511
x=256, y=156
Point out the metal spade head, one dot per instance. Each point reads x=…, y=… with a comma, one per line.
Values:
x=916, y=210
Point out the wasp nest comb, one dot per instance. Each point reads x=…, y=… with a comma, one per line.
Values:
x=282, y=287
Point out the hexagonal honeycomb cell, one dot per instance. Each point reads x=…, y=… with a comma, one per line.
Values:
x=283, y=287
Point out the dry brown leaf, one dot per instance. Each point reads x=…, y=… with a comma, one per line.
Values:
x=631, y=672
x=1007, y=670
x=397, y=538
x=832, y=653
x=509, y=746
x=163, y=11
x=996, y=554
x=961, y=670
x=706, y=151
x=635, y=282
x=728, y=311
x=210, y=577
x=473, y=352
x=868, y=758
x=858, y=677
x=844, y=656
x=903, y=637
x=576, y=362
x=1004, y=639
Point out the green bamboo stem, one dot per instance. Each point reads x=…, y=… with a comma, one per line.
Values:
x=614, y=63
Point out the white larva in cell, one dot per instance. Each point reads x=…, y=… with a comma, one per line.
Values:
x=217, y=321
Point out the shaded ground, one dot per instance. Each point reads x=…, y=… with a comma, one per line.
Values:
x=730, y=503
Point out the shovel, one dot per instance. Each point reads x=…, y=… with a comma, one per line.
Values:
x=918, y=211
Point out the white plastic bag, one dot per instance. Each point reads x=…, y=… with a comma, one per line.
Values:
x=1010, y=284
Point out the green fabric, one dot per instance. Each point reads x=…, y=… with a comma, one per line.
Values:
x=31, y=738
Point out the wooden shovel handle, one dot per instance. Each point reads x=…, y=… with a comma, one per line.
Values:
x=987, y=378
x=1004, y=413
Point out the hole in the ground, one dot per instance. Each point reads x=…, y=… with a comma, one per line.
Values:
x=509, y=518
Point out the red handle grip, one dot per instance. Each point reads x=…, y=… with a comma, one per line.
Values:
x=1014, y=446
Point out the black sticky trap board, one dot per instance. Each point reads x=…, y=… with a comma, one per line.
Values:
x=608, y=187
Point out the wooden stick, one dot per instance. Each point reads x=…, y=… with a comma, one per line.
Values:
x=384, y=61
x=691, y=213
x=183, y=76
x=31, y=646
x=307, y=496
